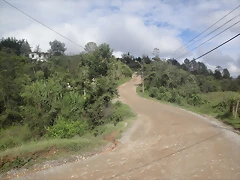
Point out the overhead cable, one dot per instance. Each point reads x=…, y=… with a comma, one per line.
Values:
x=43, y=24
x=209, y=39
x=218, y=46
x=204, y=30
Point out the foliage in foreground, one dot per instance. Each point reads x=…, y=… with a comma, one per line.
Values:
x=64, y=97
x=50, y=148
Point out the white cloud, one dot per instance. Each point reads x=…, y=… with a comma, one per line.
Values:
x=135, y=26
x=117, y=54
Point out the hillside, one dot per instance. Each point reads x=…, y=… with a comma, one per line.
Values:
x=193, y=86
x=65, y=97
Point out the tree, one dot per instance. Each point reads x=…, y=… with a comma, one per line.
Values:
x=202, y=68
x=146, y=59
x=127, y=58
x=156, y=53
x=217, y=74
x=90, y=47
x=226, y=74
x=174, y=62
x=12, y=44
x=194, y=66
x=219, y=68
x=186, y=65
x=57, y=48
x=37, y=49
x=25, y=49
x=103, y=51
x=13, y=76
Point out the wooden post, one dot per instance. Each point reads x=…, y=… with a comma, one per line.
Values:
x=236, y=110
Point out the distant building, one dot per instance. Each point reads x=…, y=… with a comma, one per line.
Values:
x=39, y=56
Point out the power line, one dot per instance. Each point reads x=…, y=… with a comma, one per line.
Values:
x=218, y=46
x=43, y=24
x=209, y=39
x=205, y=30
x=212, y=31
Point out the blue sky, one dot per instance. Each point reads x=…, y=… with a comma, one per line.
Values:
x=135, y=26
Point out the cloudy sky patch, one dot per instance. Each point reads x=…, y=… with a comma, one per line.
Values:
x=135, y=26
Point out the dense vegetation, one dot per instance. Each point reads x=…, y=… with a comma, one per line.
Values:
x=191, y=84
x=63, y=97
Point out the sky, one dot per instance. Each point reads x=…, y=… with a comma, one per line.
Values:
x=135, y=26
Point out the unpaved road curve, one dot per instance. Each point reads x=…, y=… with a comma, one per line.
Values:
x=165, y=142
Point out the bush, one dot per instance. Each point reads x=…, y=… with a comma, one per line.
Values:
x=162, y=89
x=127, y=72
x=153, y=92
x=65, y=129
x=195, y=100
x=175, y=98
x=120, y=112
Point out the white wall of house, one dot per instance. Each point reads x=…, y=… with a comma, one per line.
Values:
x=38, y=56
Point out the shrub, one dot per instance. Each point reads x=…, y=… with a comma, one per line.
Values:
x=120, y=112
x=166, y=96
x=195, y=100
x=66, y=129
x=153, y=92
x=175, y=98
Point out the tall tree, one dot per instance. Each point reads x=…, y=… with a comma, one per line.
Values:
x=156, y=54
x=57, y=47
x=146, y=59
x=90, y=47
x=219, y=68
x=226, y=74
x=104, y=51
x=12, y=44
x=174, y=62
x=25, y=48
x=37, y=49
x=217, y=74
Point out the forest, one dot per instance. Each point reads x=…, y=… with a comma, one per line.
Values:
x=191, y=85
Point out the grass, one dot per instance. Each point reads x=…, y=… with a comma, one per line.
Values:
x=36, y=152
x=74, y=144
x=213, y=97
x=123, y=80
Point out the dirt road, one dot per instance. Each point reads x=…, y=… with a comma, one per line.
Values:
x=164, y=142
